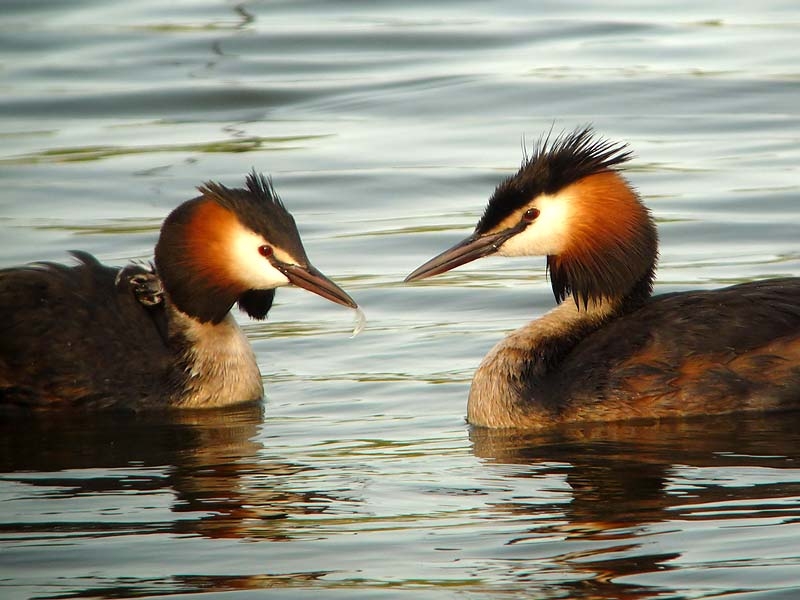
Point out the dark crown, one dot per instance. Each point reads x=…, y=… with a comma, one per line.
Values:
x=261, y=210
x=552, y=166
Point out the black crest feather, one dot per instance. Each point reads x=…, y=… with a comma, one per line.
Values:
x=260, y=209
x=552, y=166
x=196, y=291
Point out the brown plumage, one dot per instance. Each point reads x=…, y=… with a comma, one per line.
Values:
x=92, y=336
x=610, y=351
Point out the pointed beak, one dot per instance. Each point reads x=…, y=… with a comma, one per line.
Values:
x=475, y=246
x=311, y=279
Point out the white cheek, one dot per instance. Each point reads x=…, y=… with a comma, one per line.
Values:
x=249, y=267
x=546, y=235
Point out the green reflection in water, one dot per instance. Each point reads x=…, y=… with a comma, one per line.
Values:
x=90, y=153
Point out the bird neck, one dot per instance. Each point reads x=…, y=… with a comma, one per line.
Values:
x=613, y=246
x=502, y=384
x=216, y=365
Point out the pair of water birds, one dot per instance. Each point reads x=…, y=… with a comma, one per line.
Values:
x=93, y=336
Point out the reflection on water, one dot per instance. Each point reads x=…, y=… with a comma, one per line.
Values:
x=613, y=510
x=628, y=484
x=219, y=482
x=211, y=463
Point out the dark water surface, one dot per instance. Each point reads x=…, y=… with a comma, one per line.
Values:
x=386, y=126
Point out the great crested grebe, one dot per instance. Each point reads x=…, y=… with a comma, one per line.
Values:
x=609, y=351
x=95, y=336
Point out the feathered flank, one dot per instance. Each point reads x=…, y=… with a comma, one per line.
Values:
x=552, y=167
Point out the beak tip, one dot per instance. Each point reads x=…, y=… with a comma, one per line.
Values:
x=312, y=280
x=467, y=250
x=416, y=275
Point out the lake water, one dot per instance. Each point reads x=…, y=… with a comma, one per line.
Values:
x=386, y=127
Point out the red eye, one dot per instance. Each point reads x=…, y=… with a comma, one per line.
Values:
x=265, y=251
x=530, y=215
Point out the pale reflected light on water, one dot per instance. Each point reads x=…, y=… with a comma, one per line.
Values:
x=386, y=128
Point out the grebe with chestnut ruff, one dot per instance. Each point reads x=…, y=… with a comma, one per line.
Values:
x=609, y=351
x=93, y=336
